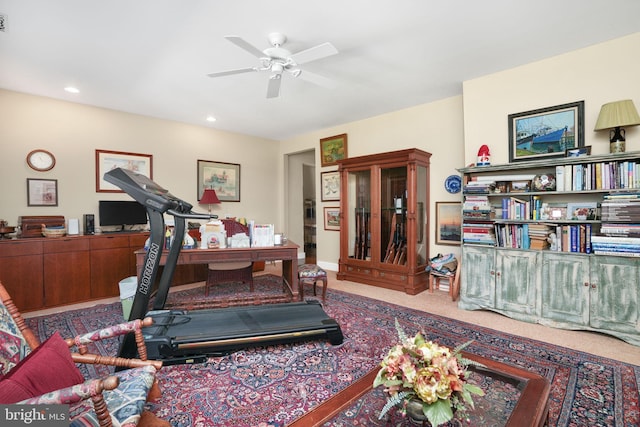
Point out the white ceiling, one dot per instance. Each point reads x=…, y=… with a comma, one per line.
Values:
x=151, y=57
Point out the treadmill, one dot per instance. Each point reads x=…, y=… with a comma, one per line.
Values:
x=183, y=336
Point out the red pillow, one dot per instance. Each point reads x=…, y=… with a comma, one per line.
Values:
x=47, y=368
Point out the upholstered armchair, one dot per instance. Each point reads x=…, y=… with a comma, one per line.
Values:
x=46, y=373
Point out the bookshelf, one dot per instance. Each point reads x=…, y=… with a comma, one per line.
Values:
x=555, y=241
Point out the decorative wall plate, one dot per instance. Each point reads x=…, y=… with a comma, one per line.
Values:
x=453, y=183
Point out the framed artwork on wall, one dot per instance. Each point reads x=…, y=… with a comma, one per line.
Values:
x=332, y=149
x=222, y=177
x=42, y=192
x=108, y=160
x=330, y=185
x=547, y=132
x=332, y=218
x=448, y=223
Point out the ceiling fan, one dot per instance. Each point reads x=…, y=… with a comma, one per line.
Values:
x=277, y=60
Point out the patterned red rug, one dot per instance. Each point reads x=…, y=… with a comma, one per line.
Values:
x=275, y=385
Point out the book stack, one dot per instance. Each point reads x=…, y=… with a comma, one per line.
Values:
x=620, y=246
x=478, y=233
x=477, y=207
x=621, y=207
x=479, y=187
x=539, y=236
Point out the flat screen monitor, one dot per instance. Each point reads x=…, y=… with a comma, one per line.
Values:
x=121, y=213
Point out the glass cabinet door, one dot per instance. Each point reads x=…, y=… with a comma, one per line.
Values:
x=393, y=216
x=359, y=215
x=422, y=242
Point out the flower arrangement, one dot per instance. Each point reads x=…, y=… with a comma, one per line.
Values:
x=434, y=375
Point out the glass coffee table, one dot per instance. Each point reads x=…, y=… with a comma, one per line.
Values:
x=513, y=397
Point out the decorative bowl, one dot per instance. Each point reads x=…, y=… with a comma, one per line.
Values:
x=53, y=231
x=544, y=182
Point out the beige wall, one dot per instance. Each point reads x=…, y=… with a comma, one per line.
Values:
x=451, y=129
x=598, y=74
x=435, y=127
x=72, y=132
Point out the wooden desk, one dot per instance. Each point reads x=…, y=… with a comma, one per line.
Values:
x=287, y=253
x=531, y=406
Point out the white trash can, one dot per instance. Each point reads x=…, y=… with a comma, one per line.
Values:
x=128, y=289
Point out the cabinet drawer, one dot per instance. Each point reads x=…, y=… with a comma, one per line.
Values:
x=56, y=245
x=137, y=241
x=20, y=248
x=109, y=242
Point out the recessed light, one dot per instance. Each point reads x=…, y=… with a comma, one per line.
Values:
x=72, y=89
x=211, y=119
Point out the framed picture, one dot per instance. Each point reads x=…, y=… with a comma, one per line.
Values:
x=547, y=132
x=332, y=149
x=108, y=160
x=578, y=152
x=448, y=223
x=222, y=177
x=330, y=183
x=332, y=219
x=582, y=211
x=520, y=186
x=42, y=192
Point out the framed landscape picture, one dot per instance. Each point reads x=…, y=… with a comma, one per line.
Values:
x=448, y=223
x=546, y=132
x=332, y=149
x=222, y=177
x=332, y=218
x=107, y=160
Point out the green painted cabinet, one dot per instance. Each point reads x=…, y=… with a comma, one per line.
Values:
x=565, y=287
x=500, y=279
x=516, y=281
x=615, y=294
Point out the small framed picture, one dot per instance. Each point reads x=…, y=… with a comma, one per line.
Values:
x=582, y=211
x=42, y=192
x=448, y=223
x=520, y=186
x=330, y=184
x=578, y=152
x=332, y=149
x=332, y=218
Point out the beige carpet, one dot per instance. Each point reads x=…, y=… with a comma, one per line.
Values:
x=440, y=303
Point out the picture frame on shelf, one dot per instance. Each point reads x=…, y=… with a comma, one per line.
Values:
x=546, y=132
x=578, y=152
x=107, y=160
x=223, y=177
x=448, y=223
x=330, y=186
x=42, y=192
x=520, y=186
x=332, y=149
x=582, y=211
x=332, y=218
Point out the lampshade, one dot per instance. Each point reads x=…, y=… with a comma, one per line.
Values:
x=209, y=197
x=617, y=114
x=613, y=116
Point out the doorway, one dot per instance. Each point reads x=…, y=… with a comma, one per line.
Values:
x=301, y=203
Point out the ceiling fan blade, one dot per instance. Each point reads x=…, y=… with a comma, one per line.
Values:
x=243, y=44
x=317, y=79
x=313, y=53
x=230, y=72
x=273, y=89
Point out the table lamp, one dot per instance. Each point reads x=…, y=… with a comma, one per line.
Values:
x=613, y=116
x=209, y=197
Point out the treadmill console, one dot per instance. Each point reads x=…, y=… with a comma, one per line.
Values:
x=145, y=191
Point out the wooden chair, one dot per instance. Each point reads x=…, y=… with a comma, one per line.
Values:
x=22, y=355
x=436, y=277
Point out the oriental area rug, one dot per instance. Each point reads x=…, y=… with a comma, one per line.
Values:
x=275, y=385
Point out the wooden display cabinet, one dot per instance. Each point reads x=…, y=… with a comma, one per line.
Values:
x=384, y=224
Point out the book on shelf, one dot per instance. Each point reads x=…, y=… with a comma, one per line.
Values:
x=614, y=253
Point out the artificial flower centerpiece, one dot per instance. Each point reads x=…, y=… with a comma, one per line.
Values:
x=434, y=376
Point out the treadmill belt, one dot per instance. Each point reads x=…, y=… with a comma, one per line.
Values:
x=219, y=331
